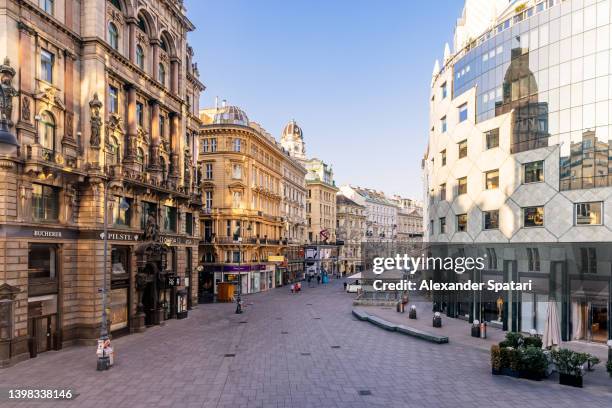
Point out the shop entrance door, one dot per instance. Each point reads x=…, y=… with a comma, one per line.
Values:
x=598, y=319
x=42, y=332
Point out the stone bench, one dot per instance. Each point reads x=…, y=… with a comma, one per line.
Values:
x=409, y=331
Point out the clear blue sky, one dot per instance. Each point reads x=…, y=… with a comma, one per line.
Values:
x=355, y=74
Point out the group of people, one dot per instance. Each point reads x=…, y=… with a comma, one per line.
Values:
x=296, y=287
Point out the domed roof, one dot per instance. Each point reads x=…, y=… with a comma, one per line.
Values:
x=293, y=129
x=231, y=115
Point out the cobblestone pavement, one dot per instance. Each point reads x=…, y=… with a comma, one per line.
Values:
x=290, y=351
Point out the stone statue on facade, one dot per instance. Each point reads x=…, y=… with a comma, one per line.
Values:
x=151, y=229
x=96, y=121
x=8, y=91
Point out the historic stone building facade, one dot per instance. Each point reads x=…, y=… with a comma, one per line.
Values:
x=102, y=96
x=243, y=173
x=350, y=229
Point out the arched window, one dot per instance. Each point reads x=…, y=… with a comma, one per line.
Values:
x=140, y=57
x=113, y=36
x=162, y=74
x=47, y=136
x=163, y=45
x=141, y=24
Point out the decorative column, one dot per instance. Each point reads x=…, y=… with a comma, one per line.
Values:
x=174, y=75
x=132, y=133
x=155, y=138
x=155, y=48
x=131, y=22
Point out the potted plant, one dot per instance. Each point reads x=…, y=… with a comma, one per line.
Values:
x=495, y=360
x=532, y=341
x=592, y=362
x=510, y=361
x=533, y=363
x=609, y=367
x=570, y=365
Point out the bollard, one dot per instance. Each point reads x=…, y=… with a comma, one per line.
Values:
x=476, y=328
x=483, y=330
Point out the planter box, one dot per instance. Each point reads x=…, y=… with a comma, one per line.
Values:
x=510, y=372
x=437, y=322
x=412, y=314
x=495, y=371
x=529, y=375
x=571, y=380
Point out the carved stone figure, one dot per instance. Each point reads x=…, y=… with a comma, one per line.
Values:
x=25, y=109
x=96, y=121
x=8, y=91
x=151, y=229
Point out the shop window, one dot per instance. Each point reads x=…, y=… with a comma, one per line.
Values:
x=533, y=217
x=462, y=223
x=588, y=260
x=120, y=260
x=588, y=213
x=491, y=219
x=147, y=209
x=533, y=259
x=45, y=202
x=42, y=261
x=169, y=218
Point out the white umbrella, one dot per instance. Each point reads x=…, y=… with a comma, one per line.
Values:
x=552, y=329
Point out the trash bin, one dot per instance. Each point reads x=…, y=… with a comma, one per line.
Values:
x=437, y=320
x=476, y=328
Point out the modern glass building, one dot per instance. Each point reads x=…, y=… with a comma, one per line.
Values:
x=519, y=159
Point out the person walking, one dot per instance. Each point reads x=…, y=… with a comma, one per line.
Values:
x=292, y=287
x=298, y=286
x=318, y=279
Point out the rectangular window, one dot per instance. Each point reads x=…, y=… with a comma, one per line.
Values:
x=588, y=213
x=228, y=228
x=169, y=218
x=443, y=156
x=208, y=201
x=463, y=112
x=462, y=222
x=140, y=114
x=236, y=171
x=588, y=260
x=209, y=171
x=122, y=211
x=42, y=261
x=462, y=186
x=444, y=90
x=46, y=65
x=213, y=144
x=47, y=6
x=533, y=217
x=492, y=138
x=189, y=223
x=492, y=258
x=442, y=192
x=45, y=202
x=431, y=226
x=443, y=124
x=463, y=149
x=442, y=225
x=533, y=172
x=492, y=179
x=237, y=145
x=491, y=219
x=162, y=126
x=113, y=99
x=205, y=146
x=147, y=209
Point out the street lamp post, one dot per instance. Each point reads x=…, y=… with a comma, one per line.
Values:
x=104, y=341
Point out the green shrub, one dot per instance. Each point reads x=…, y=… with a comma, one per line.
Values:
x=532, y=341
x=570, y=362
x=609, y=367
x=533, y=360
x=515, y=359
x=496, y=357
x=514, y=339
x=504, y=343
x=505, y=355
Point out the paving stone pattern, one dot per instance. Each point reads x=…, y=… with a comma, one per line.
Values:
x=187, y=363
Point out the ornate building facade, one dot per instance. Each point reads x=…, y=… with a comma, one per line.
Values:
x=103, y=98
x=350, y=229
x=246, y=179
